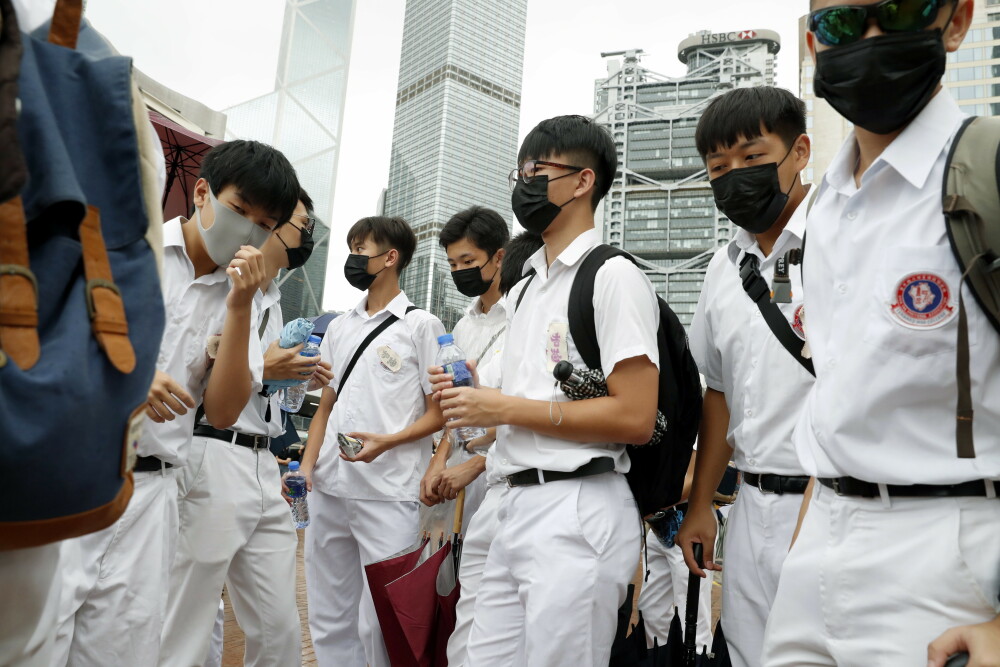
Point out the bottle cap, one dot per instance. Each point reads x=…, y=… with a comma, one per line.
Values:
x=293, y=466
x=315, y=339
x=446, y=339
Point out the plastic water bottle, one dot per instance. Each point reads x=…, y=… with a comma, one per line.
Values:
x=296, y=483
x=293, y=397
x=451, y=357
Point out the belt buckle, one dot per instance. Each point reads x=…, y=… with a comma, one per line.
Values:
x=506, y=480
x=760, y=487
x=836, y=486
x=258, y=440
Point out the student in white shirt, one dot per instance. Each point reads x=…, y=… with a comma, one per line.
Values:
x=754, y=144
x=483, y=524
x=569, y=536
x=234, y=524
x=116, y=580
x=474, y=241
x=365, y=509
x=900, y=539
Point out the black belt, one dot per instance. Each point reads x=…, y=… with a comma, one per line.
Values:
x=150, y=464
x=534, y=476
x=849, y=486
x=779, y=484
x=242, y=439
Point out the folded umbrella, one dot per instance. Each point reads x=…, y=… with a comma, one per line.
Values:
x=379, y=575
x=294, y=333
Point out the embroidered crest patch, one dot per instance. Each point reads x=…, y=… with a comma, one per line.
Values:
x=923, y=301
x=799, y=322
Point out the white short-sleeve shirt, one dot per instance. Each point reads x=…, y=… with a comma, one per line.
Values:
x=195, y=314
x=626, y=318
x=739, y=356
x=384, y=394
x=479, y=334
x=881, y=294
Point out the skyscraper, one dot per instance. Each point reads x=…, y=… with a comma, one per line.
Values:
x=972, y=77
x=455, y=133
x=660, y=207
x=303, y=118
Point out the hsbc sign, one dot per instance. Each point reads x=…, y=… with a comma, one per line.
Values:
x=720, y=37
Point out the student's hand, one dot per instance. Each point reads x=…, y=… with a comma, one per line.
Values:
x=441, y=380
x=246, y=271
x=472, y=407
x=429, y=494
x=374, y=446
x=484, y=441
x=286, y=363
x=981, y=642
x=166, y=399
x=456, y=478
x=699, y=525
x=321, y=377
x=305, y=472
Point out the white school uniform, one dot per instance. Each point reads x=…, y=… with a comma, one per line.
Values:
x=740, y=356
x=115, y=581
x=236, y=529
x=30, y=581
x=874, y=581
x=565, y=551
x=363, y=512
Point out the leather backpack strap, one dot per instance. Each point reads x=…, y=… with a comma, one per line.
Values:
x=104, y=301
x=65, y=26
x=18, y=289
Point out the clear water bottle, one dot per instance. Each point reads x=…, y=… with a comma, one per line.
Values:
x=296, y=483
x=292, y=397
x=451, y=357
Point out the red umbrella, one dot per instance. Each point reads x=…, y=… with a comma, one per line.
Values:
x=183, y=150
x=380, y=574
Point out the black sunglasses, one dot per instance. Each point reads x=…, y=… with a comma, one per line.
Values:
x=845, y=24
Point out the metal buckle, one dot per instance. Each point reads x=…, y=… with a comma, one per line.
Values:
x=23, y=271
x=836, y=486
x=89, y=289
x=760, y=482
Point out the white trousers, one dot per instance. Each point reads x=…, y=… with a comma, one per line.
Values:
x=475, y=547
x=115, y=581
x=29, y=602
x=344, y=535
x=758, y=533
x=870, y=585
x=214, y=658
x=556, y=574
x=235, y=529
x=666, y=589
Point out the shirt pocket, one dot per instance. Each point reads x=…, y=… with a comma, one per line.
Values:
x=391, y=362
x=913, y=310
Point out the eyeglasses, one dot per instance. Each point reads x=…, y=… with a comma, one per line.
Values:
x=846, y=24
x=310, y=222
x=527, y=171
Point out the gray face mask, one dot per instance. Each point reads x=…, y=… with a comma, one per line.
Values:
x=229, y=231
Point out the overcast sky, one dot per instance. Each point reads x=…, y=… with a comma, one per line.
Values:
x=223, y=52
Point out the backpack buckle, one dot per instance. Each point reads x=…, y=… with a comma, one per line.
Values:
x=23, y=271
x=93, y=284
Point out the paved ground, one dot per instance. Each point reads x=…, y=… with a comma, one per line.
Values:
x=232, y=655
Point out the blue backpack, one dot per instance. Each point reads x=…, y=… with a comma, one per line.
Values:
x=81, y=312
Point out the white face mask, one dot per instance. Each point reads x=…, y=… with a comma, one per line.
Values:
x=228, y=232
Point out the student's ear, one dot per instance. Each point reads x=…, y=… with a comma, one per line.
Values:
x=954, y=32
x=802, y=151
x=500, y=253
x=392, y=258
x=586, y=183
x=200, y=192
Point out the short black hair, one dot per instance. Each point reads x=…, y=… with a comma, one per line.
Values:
x=484, y=227
x=306, y=201
x=262, y=174
x=746, y=113
x=515, y=254
x=388, y=233
x=579, y=140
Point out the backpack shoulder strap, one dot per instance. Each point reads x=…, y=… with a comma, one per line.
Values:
x=376, y=332
x=524, y=290
x=582, y=325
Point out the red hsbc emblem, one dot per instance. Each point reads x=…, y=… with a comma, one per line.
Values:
x=747, y=34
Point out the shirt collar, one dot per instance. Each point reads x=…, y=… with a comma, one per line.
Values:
x=795, y=229
x=270, y=297
x=173, y=237
x=475, y=308
x=569, y=256
x=397, y=306
x=912, y=154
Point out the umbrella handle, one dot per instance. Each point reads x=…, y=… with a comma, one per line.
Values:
x=459, y=511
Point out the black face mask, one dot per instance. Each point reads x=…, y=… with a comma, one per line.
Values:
x=470, y=281
x=882, y=83
x=356, y=271
x=751, y=196
x=299, y=256
x=531, y=205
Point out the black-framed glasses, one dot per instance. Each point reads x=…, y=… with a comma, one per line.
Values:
x=307, y=221
x=846, y=24
x=527, y=171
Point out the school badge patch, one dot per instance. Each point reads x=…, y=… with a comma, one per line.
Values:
x=922, y=301
x=799, y=322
